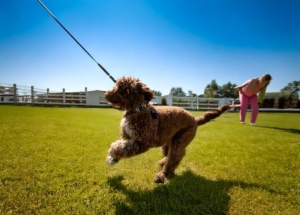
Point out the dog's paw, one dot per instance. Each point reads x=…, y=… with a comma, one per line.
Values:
x=110, y=160
x=162, y=162
x=159, y=177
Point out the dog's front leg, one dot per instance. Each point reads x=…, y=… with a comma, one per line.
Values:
x=124, y=148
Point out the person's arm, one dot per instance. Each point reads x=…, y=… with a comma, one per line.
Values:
x=249, y=86
x=262, y=93
x=240, y=87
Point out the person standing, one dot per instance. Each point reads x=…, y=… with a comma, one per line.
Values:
x=248, y=95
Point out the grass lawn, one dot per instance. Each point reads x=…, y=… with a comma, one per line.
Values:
x=52, y=161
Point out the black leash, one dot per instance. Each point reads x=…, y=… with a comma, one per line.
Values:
x=77, y=41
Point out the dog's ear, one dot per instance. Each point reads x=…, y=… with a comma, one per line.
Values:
x=148, y=94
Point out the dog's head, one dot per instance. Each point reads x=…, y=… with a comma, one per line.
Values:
x=129, y=93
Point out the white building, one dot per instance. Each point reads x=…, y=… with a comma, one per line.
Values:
x=7, y=94
x=96, y=98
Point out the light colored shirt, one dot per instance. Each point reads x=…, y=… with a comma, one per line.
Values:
x=252, y=87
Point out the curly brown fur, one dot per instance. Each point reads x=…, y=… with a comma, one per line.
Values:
x=129, y=93
x=176, y=128
x=210, y=115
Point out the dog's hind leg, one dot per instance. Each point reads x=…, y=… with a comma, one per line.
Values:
x=123, y=148
x=176, y=151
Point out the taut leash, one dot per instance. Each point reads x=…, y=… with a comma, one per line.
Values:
x=76, y=41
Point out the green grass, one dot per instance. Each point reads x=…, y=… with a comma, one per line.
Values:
x=52, y=161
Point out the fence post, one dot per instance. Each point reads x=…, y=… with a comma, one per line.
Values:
x=86, y=95
x=221, y=102
x=32, y=95
x=169, y=99
x=15, y=93
x=47, y=95
x=64, y=96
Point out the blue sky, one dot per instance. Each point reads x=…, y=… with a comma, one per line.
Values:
x=169, y=43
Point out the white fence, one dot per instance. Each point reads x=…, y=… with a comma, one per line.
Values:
x=194, y=103
x=13, y=94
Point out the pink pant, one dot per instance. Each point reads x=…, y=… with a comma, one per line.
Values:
x=245, y=101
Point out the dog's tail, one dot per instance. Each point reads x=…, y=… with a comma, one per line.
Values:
x=210, y=115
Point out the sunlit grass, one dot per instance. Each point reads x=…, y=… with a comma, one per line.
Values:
x=52, y=161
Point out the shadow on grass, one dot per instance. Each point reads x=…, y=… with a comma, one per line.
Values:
x=185, y=194
x=291, y=130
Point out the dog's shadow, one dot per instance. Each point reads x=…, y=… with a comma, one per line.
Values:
x=185, y=194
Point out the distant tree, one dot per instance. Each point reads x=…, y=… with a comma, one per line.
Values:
x=163, y=101
x=157, y=93
x=211, y=90
x=201, y=96
x=228, y=91
x=293, y=86
x=290, y=92
x=191, y=94
x=177, y=91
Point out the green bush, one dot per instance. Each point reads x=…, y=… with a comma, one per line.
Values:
x=268, y=103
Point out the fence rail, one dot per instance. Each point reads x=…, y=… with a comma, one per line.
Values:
x=13, y=94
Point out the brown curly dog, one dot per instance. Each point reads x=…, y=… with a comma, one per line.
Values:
x=144, y=126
